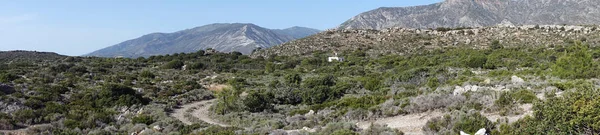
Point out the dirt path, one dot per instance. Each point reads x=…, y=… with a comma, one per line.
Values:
x=495, y=116
x=200, y=111
x=411, y=124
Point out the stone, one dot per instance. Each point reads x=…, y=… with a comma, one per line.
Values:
x=517, y=80
x=157, y=128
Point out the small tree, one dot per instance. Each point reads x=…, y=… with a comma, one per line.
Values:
x=575, y=63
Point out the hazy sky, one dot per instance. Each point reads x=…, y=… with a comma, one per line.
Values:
x=77, y=27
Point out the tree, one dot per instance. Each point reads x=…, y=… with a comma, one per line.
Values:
x=576, y=62
x=258, y=102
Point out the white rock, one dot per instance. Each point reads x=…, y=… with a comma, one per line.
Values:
x=310, y=113
x=517, y=80
x=480, y=132
x=157, y=128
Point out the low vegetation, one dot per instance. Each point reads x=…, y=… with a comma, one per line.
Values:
x=87, y=95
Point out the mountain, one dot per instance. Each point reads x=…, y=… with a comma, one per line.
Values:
x=478, y=13
x=297, y=32
x=223, y=37
x=410, y=40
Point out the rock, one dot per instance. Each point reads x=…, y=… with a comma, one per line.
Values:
x=479, y=132
x=157, y=128
x=487, y=81
x=310, y=113
x=6, y=89
x=517, y=80
x=458, y=90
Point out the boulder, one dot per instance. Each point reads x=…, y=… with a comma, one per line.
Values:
x=517, y=80
x=6, y=89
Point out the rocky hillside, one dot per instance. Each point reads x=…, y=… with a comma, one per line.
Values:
x=407, y=40
x=477, y=13
x=222, y=37
x=31, y=56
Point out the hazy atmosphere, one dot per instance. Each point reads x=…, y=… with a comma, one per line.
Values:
x=73, y=27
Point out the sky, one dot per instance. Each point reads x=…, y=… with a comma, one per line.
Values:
x=78, y=27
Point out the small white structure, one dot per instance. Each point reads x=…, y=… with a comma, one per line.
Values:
x=335, y=58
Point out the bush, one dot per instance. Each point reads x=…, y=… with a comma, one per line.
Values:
x=457, y=121
x=147, y=74
x=576, y=63
x=175, y=64
x=258, y=102
x=293, y=79
x=578, y=112
x=142, y=119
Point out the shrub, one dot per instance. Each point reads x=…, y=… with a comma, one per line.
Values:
x=147, y=74
x=175, y=64
x=524, y=96
x=577, y=62
x=142, y=119
x=293, y=79
x=344, y=132
x=578, y=112
x=469, y=122
x=258, y=102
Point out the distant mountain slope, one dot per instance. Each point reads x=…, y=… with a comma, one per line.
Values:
x=298, y=32
x=224, y=37
x=477, y=13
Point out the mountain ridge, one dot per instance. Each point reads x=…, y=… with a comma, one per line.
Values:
x=479, y=13
x=224, y=37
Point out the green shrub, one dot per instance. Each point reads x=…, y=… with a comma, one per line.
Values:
x=293, y=79
x=258, y=102
x=524, y=96
x=344, y=132
x=147, y=74
x=578, y=112
x=469, y=122
x=175, y=64
x=576, y=63
x=143, y=119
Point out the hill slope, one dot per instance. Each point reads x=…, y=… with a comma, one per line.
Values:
x=477, y=13
x=223, y=37
x=408, y=40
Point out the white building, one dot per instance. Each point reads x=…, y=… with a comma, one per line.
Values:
x=335, y=58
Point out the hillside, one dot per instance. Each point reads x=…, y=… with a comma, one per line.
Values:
x=28, y=56
x=478, y=13
x=407, y=40
x=223, y=37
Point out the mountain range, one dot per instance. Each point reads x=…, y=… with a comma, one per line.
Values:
x=479, y=13
x=246, y=38
x=223, y=37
